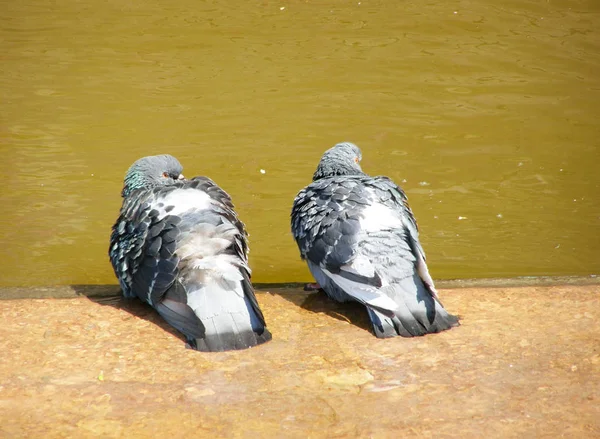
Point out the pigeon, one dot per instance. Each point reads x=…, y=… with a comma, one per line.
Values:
x=360, y=240
x=179, y=246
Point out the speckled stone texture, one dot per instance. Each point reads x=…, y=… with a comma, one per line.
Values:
x=524, y=363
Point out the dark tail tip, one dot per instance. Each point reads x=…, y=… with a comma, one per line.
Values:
x=229, y=341
x=444, y=320
x=409, y=326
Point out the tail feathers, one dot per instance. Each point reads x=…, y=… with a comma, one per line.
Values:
x=385, y=327
x=417, y=313
x=443, y=319
x=229, y=319
x=213, y=317
x=230, y=331
x=181, y=317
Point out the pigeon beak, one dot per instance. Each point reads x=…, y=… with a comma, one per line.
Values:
x=181, y=177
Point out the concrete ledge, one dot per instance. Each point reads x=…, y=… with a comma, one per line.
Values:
x=70, y=291
x=525, y=362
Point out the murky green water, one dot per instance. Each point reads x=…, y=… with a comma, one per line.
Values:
x=485, y=112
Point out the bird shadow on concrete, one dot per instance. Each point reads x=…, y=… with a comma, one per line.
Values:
x=318, y=302
x=110, y=295
x=314, y=301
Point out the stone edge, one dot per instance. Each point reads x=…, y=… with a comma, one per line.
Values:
x=71, y=291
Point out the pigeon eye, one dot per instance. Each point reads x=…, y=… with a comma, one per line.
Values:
x=356, y=160
x=165, y=174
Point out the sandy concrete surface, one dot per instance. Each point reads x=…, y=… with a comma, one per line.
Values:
x=524, y=363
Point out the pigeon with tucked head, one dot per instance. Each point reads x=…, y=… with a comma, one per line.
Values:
x=360, y=240
x=179, y=246
x=145, y=173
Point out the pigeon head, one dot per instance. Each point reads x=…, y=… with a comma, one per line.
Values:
x=148, y=172
x=342, y=159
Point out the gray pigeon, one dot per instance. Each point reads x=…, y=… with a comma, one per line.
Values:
x=179, y=246
x=360, y=240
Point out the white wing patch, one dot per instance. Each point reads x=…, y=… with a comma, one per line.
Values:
x=380, y=217
x=360, y=265
x=183, y=200
x=221, y=268
x=366, y=294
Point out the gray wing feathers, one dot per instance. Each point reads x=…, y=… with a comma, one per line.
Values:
x=363, y=293
x=344, y=290
x=143, y=247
